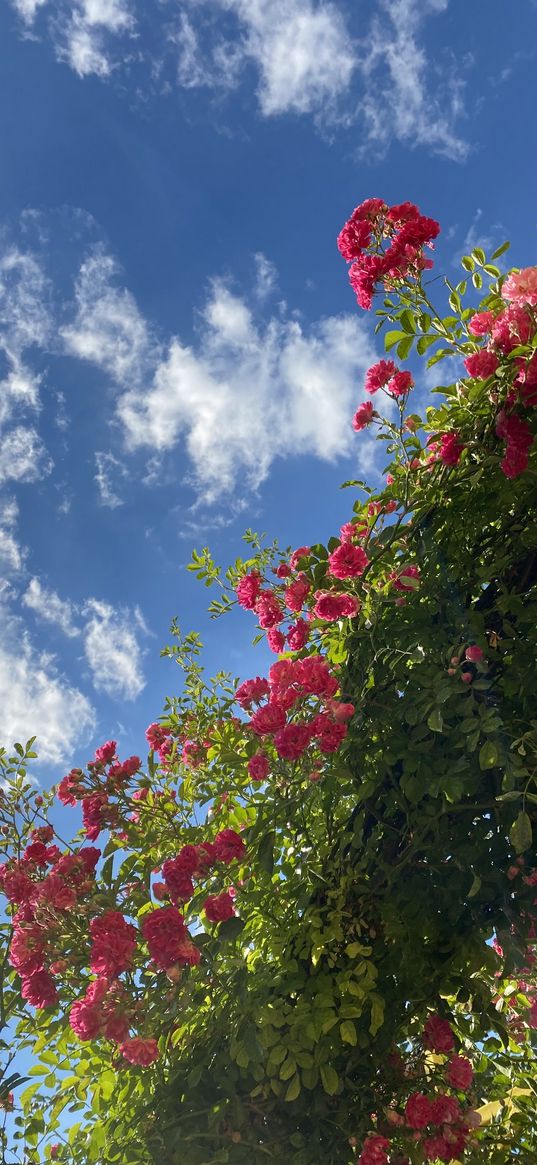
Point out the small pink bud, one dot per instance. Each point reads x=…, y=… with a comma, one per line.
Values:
x=474, y=654
x=454, y=660
x=452, y=671
x=466, y=677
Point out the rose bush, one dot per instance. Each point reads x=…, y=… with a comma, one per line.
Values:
x=307, y=929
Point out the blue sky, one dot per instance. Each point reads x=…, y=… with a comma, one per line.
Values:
x=180, y=353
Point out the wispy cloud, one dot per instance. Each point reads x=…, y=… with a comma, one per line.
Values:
x=108, y=328
x=82, y=32
x=12, y=554
x=305, y=56
x=49, y=606
x=23, y=456
x=252, y=389
x=266, y=276
x=37, y=700
x=112, y=651
x=408, y=96
x=109, y=470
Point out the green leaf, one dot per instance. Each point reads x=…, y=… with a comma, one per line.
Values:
x=520, y=834
x=265, y=853
x=330, y=1079
x=479, y=254
x=288, y=1068
x=424, y=343
x=230, y=929
x=475, y=887
x=435, y=720
x=294, y=1088
x=468, y=262
x=488, y=755
x=500, y=250
x=406, y=319
x=347, y=1032
x=404, y=346
x=393, y=338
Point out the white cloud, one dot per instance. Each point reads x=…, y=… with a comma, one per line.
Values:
x=107, y=467
x=112, y=651
x=48, y=605
x=28, y=9
x=408, y=96
x=12, y=555
x=82, y=36
x=303, y=53
x=197, y=65
x=25, y=317
x=266, y=276
x=23, y=456
x=249, y=394
x=36, y=700
x=25, y=322
x=108, y=329
x=18, y=391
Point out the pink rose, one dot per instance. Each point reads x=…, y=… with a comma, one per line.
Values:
x=521, y=286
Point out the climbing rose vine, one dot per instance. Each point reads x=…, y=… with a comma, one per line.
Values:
x=304, y=929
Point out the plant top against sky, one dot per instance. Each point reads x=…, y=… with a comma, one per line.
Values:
x=307, y=931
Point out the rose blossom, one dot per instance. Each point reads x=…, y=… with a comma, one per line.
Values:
x=451, y=448
x=437, y=1035
x=140, y=1051
x=379, y=374
x=400, y=384
x=292, y=740
x=268, y=610
x=219, y=908
x=258, y=766
x=418, y=1111
x=459, y=1073
x=248, y=589
x=275, y=640
x=332, y=605
x=481, y=364
x=363, y=416
x=521, y=286
x=267, y=720
x=481, y=323
x=347, y=561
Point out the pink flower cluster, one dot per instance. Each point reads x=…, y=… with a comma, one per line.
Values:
x=513, y=326
x=196, y=861
x=106, y=776
x=385, y=246
x=385, y=374
x=297, y=709
x=437, y=1124
x=270, y=607
x=41, y=896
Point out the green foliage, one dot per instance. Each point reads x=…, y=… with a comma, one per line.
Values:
x=375, y=877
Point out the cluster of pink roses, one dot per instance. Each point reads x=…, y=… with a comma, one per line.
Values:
x=45, y=887
x=385, y=245
x=297, y=708
x=438, y=1124
x=362, y=242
